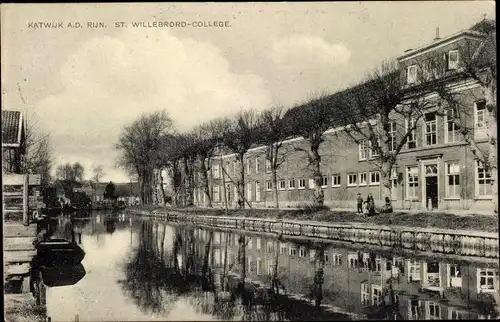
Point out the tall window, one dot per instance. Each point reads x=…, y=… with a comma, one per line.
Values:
x=324, y=182
x=373, y=150
x=336, y=180
x=268, y=166
x=430, y=129
x=269, y=185
x=249, y=191
x=452, y=59
x=362, y=179
x=480, y=121
x=452, y=126
x=374, y=178
x=376, y=294
x=392, y=136
x=302, y=183
x=250, y=264
x=483, y=181
x=311, y=183
x=234, y=167
x=363, y=150
x=291, y=184
x=216, y=171
x=394, y=184
x=249, y=166
x=216, y=194
x=452, y=180
x=352, y=179
x=411, y=74
x=412, y=137
x=257, y=165
x=412, y=182
x=282, y=184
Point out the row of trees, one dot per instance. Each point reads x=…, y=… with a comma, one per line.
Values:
x=382, y=112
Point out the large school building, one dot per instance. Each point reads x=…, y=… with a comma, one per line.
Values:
x=435, y=169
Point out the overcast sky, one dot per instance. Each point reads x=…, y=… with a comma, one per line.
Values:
x=83, y=85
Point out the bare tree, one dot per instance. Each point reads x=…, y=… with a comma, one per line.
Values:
x=380, y=116
x=310, y=121
x=139, y=142
x=239, y=136
x=70, y=172
x=98, y=172
x=272, y=131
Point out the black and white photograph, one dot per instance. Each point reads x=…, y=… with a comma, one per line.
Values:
x=258, y=161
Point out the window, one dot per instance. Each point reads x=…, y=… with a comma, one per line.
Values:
x=259, y=266
x=452, y=59
x=324, y=182
x=337, y=260
x=413, y=271
x=483, y=181
x=374, y=178
x=374, y=151
x=282, y=249
x=392, y=136
x=336, y=180
x=249, y=242
x=457, y=315
x=269, y=185
x=433, y=311
x=362, y=179
x=291, y=184
x=270, y=247
x=376, y=295
x=412, y=138
x=480, y=122
x=365, y=294
x=216, y=194
x=258, y=243
x=452, y=180
x=282, y=184
x=486, y=279
x=234, y=167
x=351, y=179
x=302, y=183
x=352, y=260
x=430, y=130
x=292, y=251
x=362, y=150
x=249, y=166
x=452, y=128
x=311, y=183
x=257, y=165
x=216, y=171
x=302, y=252
x=268, y=166
x=249, y=191
x=412, y=182
x=428, y=69
x=394, y=184
x=326, y=258
x=411, y=74
x=270, y=269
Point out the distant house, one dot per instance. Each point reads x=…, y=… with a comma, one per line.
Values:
x=13, y=141
x=99, y=188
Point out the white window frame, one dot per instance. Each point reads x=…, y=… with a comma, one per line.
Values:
x=269, y=185
x=352, y=260
x=454, y=166
x=476, y=181
x=283, y=248
x=249, y=191
x=302, y=251
x=349, y=176
x=484, y=272
x=365, y=294
x=324, y=182
x=428, y=305
x=394, y=184
x=432, y=124
x=249, y=242
x=377, y=175
x=449, y=65
x=326, y=258
x=292, y=251
x=409, y=170
x=270, y=246
x=363, y=150
x=257, y=165
x=336, y=259
x=250, y=264
x=311, y=183
x=249, y=166
x=257, y=191
x=302, y=183
x=216, y=193
x=411, y=78
x=291, y=184
x=258, y=244
x=282, y=185
x=392, y=136
x=362, y=179
x=268, y=166
x=412, y=137
x=258, y=264
x=480, y=132
x=216, y=171
x=379, y=297
x=447, y=122
x=234, y=167
x=336, y=180
x=373, y=154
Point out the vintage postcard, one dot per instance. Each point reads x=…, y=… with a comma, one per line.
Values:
x=250, y=161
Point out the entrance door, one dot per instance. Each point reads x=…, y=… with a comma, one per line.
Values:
x=431, y=185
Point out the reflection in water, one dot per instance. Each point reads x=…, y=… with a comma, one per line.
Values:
x=62, y=275
x=148, y=270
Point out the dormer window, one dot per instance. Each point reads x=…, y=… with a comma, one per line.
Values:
x=452, y=60
x=411, y=74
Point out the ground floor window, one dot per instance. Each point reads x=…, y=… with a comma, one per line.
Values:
x=412, y=182
x=282, y=184
x=365, y=294
x=483, y=180
x=336, y=180
x=376, y=294
x=433, y=311
x=452, y=180
x=269, y=185
x=374, y=178
x=302, y=183
x=486, y=278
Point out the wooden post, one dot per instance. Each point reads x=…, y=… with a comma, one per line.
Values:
x=26, y=220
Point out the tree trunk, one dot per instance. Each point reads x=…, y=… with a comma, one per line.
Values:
x=385, y=173
x=242, y=258
x=224, y=189
x=315, y=161
x=206, y=188
x=275, y=188
x=188, y=184
x=162, y=188
x=491, y=105
x=241, y=184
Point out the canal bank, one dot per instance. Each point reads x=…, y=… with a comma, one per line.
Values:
x=478, y=243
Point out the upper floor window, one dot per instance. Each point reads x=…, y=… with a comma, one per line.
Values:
x=430, y=129
x=374, y=150
x=282, y=184
x=362, y=179
x=452, y=60
x=483, y=181
x=216, y=171
x=302, y=183
x=452, y=180
x=216, y=193
x=234, y=167
x=324, y=181
x=392, y=136
x=452, y=127
x=411, y=74
x=374, y=178
x=249, y=166
x=269, y=185
x=268, y=166
x=257, y=165
x=363, y=150
x=291, y=184
x=336, y=180
x=480, y=122
x=412, y=138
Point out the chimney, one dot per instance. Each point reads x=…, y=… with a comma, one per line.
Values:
x=437, y=34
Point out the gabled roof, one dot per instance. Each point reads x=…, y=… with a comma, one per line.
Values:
x=12, y=128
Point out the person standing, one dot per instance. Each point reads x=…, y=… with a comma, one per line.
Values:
x=360, y=203
x=371, y=204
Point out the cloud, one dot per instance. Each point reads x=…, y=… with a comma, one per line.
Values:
x=110, y=81
x=306, y=51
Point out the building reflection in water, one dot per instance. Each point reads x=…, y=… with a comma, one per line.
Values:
x=255, y=277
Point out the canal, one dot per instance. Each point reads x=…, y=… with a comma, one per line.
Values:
x=138, y=269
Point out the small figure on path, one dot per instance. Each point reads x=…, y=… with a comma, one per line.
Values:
x=371, y=204
x=360, y=203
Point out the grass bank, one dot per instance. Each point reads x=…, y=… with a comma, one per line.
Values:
x=410, y=219
x=22, y=308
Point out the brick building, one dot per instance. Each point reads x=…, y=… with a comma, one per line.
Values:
x=434, y=170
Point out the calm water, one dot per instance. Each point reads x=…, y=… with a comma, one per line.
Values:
x=141, y=270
